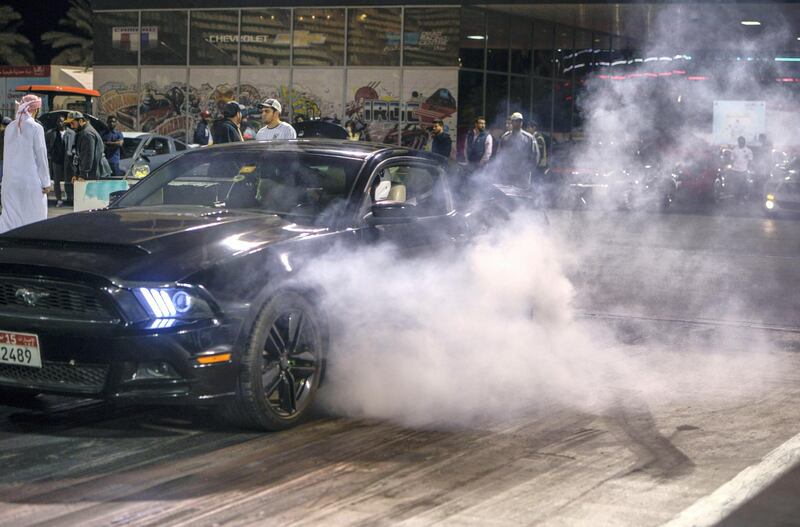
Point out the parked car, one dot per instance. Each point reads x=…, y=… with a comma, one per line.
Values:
x=143, y=152
x=782, y=190
x=186, y=291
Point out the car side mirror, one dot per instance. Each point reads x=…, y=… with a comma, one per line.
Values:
x=114, y=196
x=391, y=213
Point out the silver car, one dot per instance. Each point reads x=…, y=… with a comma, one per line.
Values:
x=143, y=152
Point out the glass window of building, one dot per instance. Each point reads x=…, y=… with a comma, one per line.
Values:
x=116, y=38
x=496, y=101
x=373, y=37
x=564, y=51
x=431, y=36
x=562, y=109
x=520, y=96
x=470, y=97
x=602, y=51
x=163, y=38
x=318, y=37
x=521, y=42
x=498, y=35
x=542, y=110
x=265, y=39
x=473, y=38
x=582, y=57
x=214, y=37
x=543, y=54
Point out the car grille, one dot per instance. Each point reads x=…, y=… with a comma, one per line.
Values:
x=85, y=378
x=49, y=298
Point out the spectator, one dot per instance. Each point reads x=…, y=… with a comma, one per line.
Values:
x=441, y=143
x=741, y=158
x=479, y=144
x=202, y=135
x=91, y=161
x=60, y=142
x=519, y=154
x=227, y=130
x=113, y=146
x=274, y=128
x=27, y=178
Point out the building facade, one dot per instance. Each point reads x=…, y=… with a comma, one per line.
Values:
x=386, y=72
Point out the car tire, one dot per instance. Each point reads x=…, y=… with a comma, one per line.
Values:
x=281, y=367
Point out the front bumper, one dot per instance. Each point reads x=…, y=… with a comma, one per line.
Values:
x=106, y=362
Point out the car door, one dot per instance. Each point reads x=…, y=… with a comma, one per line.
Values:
x=424, y=185
x=159, y=151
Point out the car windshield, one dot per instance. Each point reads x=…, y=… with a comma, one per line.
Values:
x=288, y=183
x=129, y=145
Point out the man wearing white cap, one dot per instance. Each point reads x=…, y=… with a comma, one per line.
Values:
x=26, y=175
x=519, y=154
x=273, y=128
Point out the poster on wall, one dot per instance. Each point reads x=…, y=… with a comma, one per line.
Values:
x=209, y=89
x=256, y=85
x=428, y=94
x=161, y=103
x=733, y=119
x=119, y=96
x=372, y=111
x=317, y=95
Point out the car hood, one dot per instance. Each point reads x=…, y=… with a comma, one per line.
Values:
x=146, y=243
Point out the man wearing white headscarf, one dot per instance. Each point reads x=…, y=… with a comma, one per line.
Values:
x=26, y=176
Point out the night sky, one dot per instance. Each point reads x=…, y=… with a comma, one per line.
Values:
x=39, y=16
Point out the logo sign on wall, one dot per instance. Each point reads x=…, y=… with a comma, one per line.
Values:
x=128, y=38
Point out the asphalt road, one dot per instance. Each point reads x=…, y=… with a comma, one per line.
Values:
x=706, y=304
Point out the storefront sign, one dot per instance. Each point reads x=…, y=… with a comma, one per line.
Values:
x=128, y=38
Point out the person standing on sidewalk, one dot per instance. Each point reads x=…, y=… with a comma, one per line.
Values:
x=113, y=141
x=273, y=127
x=26, y=177
x=60, y=141
x=228, y=129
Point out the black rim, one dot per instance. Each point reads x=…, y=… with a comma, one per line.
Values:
x=290, y=363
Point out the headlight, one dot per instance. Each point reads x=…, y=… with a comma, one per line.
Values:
x=173, y=302
x=140, y=171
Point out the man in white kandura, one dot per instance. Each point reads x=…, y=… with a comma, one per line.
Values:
x=273, y=128
x=26, y=176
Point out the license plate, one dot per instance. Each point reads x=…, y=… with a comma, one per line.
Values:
x=20, y=349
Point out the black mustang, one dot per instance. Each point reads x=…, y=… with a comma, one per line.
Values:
x=183, y=290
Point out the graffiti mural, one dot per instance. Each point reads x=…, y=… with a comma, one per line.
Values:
x=428, y=96
x=119, y=96
x=257, y=85
x=318, y=94
x=161, y=103
x=372, y=112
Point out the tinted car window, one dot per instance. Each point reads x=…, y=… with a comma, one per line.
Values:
x=159, y=144
x=291, y=183
x=179, y=146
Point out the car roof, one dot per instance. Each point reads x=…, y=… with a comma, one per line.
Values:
x=355, y=149
x=134, y=135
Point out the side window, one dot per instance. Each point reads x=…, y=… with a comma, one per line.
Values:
x=159, y=144
x=179, y=146
x=419, y=185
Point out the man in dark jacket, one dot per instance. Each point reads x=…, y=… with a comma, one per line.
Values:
x=60, y=142
x=227, y=130
x=202, y=134
x=479, y=144
x=441, y=143
x=92, y=163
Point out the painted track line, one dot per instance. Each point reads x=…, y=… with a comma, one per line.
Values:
x=748, y=483
x=743, y=324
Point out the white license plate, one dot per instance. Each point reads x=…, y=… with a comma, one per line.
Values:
x=20, y=349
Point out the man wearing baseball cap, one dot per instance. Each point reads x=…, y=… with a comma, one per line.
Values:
x=227, y=130
x=273, y=128
x=518, y=155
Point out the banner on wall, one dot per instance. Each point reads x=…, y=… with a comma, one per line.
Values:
x=128, y=38
x=13, y=76
x=372, y=110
